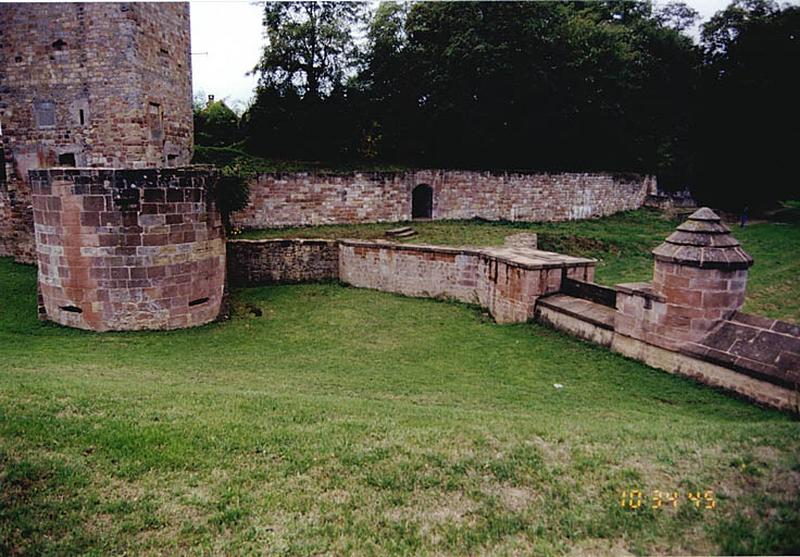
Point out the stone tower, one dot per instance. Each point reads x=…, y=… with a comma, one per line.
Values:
x=699, y=281
x=90, y=85
x=701, y=270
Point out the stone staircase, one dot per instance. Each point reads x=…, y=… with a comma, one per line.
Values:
x=400, y=233
x=585, y=310
x=581, y=308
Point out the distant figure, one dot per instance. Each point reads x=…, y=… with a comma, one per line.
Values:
x=744, y=216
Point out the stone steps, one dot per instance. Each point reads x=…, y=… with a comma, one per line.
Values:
x=402, y=232
x=597, y=314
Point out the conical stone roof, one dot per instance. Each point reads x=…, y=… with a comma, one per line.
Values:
x=703, y=241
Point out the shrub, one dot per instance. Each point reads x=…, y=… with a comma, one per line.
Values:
x=232, y=191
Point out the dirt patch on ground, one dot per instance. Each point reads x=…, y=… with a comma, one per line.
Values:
x=516, y=499
x=431, y=511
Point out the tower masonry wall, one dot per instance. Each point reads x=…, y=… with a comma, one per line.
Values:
x=128, y=249
x=109, y=83
x=90, y=85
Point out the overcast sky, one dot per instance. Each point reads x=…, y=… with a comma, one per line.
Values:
x=227, y=40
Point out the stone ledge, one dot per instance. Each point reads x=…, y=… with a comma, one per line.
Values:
x=284, y=241
x=757, y=346
x=734, y=373
x=386, y=244
x=521, y=257
x=711, y=374
x=640, y=289
x=591, y=312
x=573, y=324
x=550, y=311
x=781, y=327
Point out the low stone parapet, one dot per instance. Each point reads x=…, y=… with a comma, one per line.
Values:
x=751, y=356
x=263, y=262
x=763, y=348
x=505, y=280
x=687, y=320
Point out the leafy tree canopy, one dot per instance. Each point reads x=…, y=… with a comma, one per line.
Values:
x=611, y=85
x=310, y=46
x=215, y=124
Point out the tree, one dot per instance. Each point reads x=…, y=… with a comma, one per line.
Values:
x=215, y=125
x=310, y=46
x=384, y=100
x=725, y=26
x=677, y=16
x=750, y=118
x=535, y=85
x=301, y=109
x=549, y=86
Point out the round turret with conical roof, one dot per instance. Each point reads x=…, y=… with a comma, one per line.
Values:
x=703, y=241
x=701, y=272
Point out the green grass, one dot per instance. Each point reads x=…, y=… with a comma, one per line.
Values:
x=621, y=243
x=353, y=422
x=346, y=421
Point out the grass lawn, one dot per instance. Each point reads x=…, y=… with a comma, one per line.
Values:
x=346, y=421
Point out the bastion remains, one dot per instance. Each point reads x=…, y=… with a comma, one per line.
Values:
x=128, y=249
x=96, y=113
x=100, y=85
x=96, y=116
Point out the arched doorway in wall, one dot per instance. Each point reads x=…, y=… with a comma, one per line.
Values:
x=422, y=202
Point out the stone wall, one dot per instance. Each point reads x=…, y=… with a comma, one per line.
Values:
x=413, y=270
x=687, y=320
x=506, y=281
x=128, y=249
x=260, y=262
x=290, y=199
x=109, y=83
x=773, y=389
x=665, y=200
x=94, y=85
